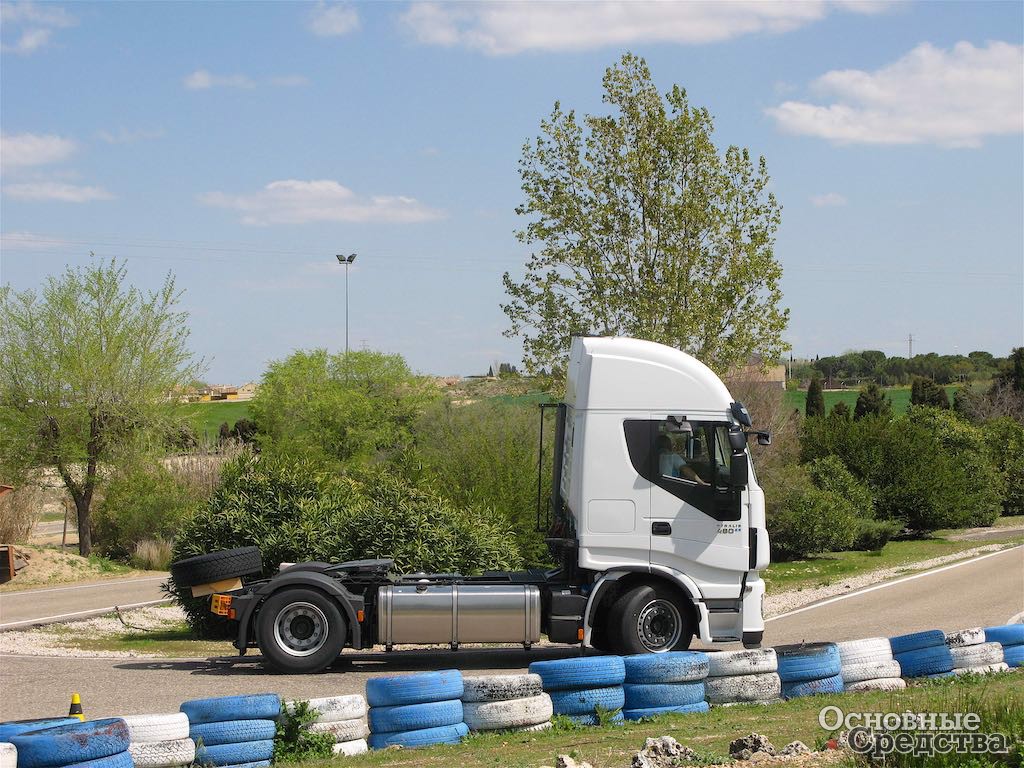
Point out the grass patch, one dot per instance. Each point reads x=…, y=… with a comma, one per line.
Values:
x=173, y=640
x=899, y=396
x=206, y=418
x=709, y=734
x=1009, y=521
x=48, y=566
x=832, y=567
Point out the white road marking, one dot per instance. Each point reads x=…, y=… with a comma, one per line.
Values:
x=96, y=611
x=113, y=583
x=866, y=590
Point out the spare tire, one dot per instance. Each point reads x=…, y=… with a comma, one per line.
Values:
x=217, y=566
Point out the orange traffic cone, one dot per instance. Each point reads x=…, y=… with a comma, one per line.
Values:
x=76, y=707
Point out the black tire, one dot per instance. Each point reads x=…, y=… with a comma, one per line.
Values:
x=649, y=619
x=217, y=566
x=300, y=630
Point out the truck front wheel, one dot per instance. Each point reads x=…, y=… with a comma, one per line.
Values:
x=300, y=630
x=648, y=619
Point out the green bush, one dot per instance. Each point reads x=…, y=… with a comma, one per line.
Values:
x=355, y=408
x=804, y=519
x=484, y=455
x=140, y=504
x=872, y=535
x=1005, y=439
x=917, y=467
x=298, y=509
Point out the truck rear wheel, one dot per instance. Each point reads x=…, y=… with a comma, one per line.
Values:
x=300, y=630
x=648, y=619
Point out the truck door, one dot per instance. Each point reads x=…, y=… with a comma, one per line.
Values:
x=697, y=519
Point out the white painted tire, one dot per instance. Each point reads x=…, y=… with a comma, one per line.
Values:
x=333, y=709
x=873, y=649
x=762, y=703
x=987, y=669
x=162, y=754
x=743, y=688
x=512, y=713
x=980, y=655
x=965, y=637
x=854, y=673
x=754, y=661
x=500, y=687
x=532, y=728
x=8, y=756
x=351, y=748
x=143, y=729
x=879, y=684
x=343, y=730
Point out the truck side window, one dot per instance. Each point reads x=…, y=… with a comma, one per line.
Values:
x=688, y=459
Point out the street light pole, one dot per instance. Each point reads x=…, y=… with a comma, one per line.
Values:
x=347, y=262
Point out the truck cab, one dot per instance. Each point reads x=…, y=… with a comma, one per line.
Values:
x=656, y=488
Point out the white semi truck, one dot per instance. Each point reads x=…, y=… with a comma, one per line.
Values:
x=656, y=522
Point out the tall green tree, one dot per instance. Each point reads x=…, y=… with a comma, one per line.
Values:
x=90, y=370
x=815, y=405
x=872, y=402
x=643, y=228
x=924, y=391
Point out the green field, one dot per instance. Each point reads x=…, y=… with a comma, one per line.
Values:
x=207, y=417
x=900, y=397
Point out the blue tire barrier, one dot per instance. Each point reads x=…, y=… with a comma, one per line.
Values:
x=926, y=661
x=1013, y=655
x=670, y=667
x=414, y=689
x=832, y=684
x=233, y=754
x=810, y=661
x=588, y=672
x=120, y=760
x=260, y=706
x=72, y=743
x=232, y=731
x=415, y=717
x=1008, y=634
x=446, y=734
x=655, y=695
x=16, y=727
x=585, y=701
x=915, y=641
x=617, y=719
x=639, y=714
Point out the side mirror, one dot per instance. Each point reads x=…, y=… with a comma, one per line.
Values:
x=764, y=438
x=739, y=470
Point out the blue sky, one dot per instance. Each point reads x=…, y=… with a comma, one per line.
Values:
x=242, y=145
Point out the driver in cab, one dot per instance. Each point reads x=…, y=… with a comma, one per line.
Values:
x=671, y=464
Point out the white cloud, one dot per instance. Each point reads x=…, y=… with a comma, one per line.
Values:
x=333, y=20
x=953, y=98
x=126, y=136
x=32, y=24
x=30, y=241
x=38, y=191
x=500, y=28
x=301, y=202
x=290, y=81
x=828, y=200
x=202, y=80
x=24, y=149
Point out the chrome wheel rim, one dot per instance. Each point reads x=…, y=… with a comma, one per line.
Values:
x=659, y=626
x=300, y=629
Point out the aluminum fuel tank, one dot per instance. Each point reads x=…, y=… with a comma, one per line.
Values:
x=458, y=613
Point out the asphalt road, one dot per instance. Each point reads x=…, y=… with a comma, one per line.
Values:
x=985, y=591
x=50, y=604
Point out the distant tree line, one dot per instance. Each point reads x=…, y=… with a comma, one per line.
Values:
x=874, y=365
